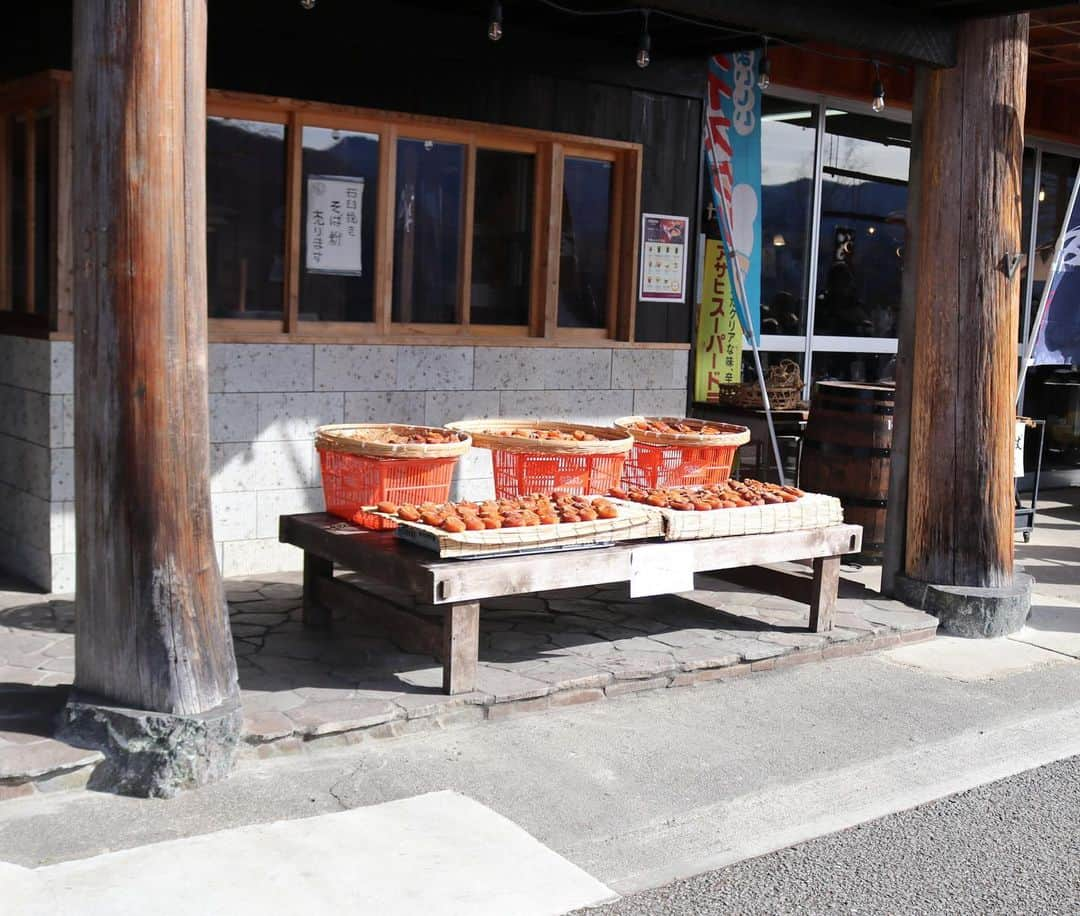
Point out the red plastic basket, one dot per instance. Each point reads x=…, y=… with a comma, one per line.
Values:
x=678, y=465
x=353, y=481
x=521, y=473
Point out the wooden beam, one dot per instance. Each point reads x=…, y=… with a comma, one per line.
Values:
x=960, y=486
x=30, y=203
x=294, y=156
x=152, y=627
x=6, y=122
x=555, y=161
x=465, y=251
x=63, y=254
x=384, y=231
x=892, y=561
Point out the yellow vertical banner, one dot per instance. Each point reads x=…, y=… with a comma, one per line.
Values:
x=719, y=337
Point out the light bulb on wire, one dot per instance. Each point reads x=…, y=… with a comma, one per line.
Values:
x=764, y=79
x=644, y=57
x=879, y=91
x=495, y=27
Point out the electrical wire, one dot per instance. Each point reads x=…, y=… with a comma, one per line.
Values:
x=727, y=30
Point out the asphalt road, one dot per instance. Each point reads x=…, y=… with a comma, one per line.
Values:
x=1010, y=847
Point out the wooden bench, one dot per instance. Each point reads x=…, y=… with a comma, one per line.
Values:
x=451, y=590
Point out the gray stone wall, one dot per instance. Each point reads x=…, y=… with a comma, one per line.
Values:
x=266, y=401
x=37, y=486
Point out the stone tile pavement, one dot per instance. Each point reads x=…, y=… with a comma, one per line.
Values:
x=305, y=689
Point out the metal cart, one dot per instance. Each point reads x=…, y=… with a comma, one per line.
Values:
x=1025, y=514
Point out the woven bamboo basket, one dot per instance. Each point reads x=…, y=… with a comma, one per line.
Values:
x=524, y=466
x=681, y=459
x=368, y=439
x=495, y=435
x=814, y=510
x=783, y=382
x=728, y=433
x=634, y=522
x=359, y=468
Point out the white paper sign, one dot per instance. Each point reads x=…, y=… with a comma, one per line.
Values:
x=661, y=569
x=334, y=208
x=1018, y=449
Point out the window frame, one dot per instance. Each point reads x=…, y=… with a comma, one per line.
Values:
x=549, y=151
x=27, y=96
x=52, y=89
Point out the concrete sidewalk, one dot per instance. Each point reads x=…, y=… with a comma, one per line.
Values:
x=657, y=786
x=664, y=784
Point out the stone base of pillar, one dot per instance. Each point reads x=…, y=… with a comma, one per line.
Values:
x=975, y=613
x=152, y=754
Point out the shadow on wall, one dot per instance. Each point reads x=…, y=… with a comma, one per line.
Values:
x=266, y=402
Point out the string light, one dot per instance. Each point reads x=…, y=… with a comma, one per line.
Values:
x=879, y=90
x=644, y=57
x=495, y=23
x=764, y=79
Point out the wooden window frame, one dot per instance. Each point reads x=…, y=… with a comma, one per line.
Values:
x=53, y=89
x=549, y=150
x=48, y=90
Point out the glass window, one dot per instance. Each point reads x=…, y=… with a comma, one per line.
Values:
x=42, y=213
x=340, y=174
x=17, y=226
x=769, y=360
x=245, y=218
x=788, y=131
x=502, y=238
x=428, y=231
x=863, y=208
x=854, y=367
x=586, y=229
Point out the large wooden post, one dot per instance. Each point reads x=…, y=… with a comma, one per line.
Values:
x=152, y=629
x=960, y=483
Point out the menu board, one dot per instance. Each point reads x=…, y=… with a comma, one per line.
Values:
x=663, y=257
x=334, y=208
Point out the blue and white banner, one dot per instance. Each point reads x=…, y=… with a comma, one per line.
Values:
x=733, y=153
x=1057, y=338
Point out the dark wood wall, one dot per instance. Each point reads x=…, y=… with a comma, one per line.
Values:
x=558, y=74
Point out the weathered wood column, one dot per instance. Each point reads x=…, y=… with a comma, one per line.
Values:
x=155, y=677
x=960, y=483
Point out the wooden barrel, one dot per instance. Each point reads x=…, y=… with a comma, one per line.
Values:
x=846, y=450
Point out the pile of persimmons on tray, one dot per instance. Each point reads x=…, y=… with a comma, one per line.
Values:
x=520, y=512
x=731, y=495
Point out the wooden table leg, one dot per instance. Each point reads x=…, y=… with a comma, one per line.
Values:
x=316, y=614
x=461, y=647
x=823, y=591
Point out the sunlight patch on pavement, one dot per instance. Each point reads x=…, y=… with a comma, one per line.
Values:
x=1054, y=624
x=440, y=853
x=973, y=659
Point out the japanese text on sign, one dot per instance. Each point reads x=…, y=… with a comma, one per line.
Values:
x=719, y=333
x=334, y=211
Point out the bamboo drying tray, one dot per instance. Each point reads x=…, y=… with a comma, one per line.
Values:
x=368, y=439
x=729, y=434
x=814, y=510
x=632, y=523
x=495, y=435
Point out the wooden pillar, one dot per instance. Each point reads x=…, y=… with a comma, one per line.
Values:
x=960, y=484
x=152, y=624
